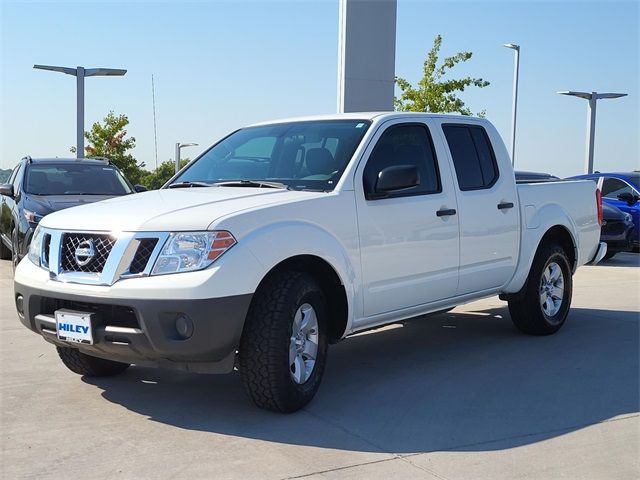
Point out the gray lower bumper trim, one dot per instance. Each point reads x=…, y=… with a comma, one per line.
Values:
x=153, y=339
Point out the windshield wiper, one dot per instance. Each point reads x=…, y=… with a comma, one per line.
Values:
x=189, y=184
x=87, y=193
x=251, y=183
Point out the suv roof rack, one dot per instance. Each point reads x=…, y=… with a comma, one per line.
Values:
x=104, y=159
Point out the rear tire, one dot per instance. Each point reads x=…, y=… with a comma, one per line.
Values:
x=609, y=255
x=283, y=349
x=547, y=297
x=89, y=366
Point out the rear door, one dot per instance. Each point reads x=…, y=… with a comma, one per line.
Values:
x=487, y=207
x=409, y=254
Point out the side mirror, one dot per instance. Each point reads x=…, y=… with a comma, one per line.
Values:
x=6, y=189
x=395, y=178
x=139, y=188
x=628, y=197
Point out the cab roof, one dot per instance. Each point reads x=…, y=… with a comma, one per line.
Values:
x=364, y=116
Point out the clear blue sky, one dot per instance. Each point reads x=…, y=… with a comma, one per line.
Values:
x=220, y=65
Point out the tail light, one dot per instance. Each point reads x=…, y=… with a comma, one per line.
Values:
x=599, y=205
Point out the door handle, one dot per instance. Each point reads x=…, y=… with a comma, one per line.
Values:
x=505, y=205
x=446, y=212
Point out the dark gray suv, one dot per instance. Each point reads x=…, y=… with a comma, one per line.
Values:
x=38, y=187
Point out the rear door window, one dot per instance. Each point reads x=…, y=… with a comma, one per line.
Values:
x=472, y=155
x=17, y=179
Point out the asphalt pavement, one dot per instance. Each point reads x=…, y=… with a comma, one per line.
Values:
x=461, y=395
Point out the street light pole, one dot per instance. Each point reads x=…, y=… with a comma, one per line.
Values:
x=593, y=97
x=79, y=112
x=178, y=147
x=516, y=71
x=80, y=73
x=591, y=135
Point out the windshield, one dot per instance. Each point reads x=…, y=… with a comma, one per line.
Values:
x=301, y=155
x=75, y=179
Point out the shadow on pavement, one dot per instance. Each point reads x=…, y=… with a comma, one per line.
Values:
x=451, y=381
x=624, y=259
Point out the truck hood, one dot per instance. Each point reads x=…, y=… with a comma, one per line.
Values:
x=43, y=205
x=180, y=209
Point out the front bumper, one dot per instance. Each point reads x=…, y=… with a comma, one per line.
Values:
x=144, y=331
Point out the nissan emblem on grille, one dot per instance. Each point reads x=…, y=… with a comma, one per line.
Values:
x=85, y=253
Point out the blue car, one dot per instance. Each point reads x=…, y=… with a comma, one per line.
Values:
x=621, y=190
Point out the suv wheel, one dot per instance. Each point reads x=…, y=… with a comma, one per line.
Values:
x=5, y=252
x=283, y=349
x=14, y=250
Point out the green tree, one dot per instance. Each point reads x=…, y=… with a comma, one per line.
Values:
x=434, y=93
x=108, y=140
x=162, y=174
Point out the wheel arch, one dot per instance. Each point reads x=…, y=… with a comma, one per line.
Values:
x=329, y=281
x=560, y=235
x=557, y=234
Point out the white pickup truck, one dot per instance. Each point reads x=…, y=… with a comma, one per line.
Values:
x=287, y=236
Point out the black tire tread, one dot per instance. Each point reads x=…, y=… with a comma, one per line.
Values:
x=267, y=326
x=89, y=366
x=525, y=313
x=5, y=252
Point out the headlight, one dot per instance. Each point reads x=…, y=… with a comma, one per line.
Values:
x=628, y=218
x=191, y=251
x=32, y=217
x=35, y=248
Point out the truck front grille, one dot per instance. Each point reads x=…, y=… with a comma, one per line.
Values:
x=102, y=245
x=99, y=258
x=143, y=254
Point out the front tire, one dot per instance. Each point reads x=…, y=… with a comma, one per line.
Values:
x=14, y=250
x=609, y=255
x=5, y=252
x=547, y=297
x=89, y=366
x=283, y=349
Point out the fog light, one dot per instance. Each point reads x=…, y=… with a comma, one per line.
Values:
x=184, y=326
x=20, y=304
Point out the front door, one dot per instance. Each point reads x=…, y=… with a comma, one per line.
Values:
x=409, y=252
x=7, y=205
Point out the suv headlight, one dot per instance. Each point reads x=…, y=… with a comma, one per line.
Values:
x=35, y=248
x=32, y=217
x=191, y=251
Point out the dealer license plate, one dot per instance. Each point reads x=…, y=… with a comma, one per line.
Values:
x=74, y=327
